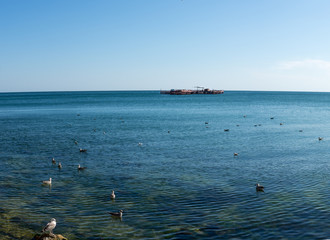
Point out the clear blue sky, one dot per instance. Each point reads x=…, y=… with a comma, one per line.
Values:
x=161, y=44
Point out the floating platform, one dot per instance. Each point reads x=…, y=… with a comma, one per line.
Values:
x=189, y=92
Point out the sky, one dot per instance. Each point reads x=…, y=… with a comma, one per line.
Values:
x=85, y=45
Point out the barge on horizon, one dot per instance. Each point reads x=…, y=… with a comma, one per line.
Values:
x=199, y=90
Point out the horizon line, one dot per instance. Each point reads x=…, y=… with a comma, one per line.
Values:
x=229, y=90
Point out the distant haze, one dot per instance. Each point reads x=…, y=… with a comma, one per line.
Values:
x=150, y=45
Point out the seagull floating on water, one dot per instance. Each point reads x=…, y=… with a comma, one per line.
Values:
x=81, y=168
x=117, y=214
x=140, y=143
x=259, y=188
x=47, y=182
x=59, y=165
x=50, y=226
x=113, y=196
x=53, y=161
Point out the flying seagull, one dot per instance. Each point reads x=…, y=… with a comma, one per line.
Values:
x=50, y=226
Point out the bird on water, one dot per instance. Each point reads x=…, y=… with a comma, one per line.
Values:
x=47, y=182
x=59, y=165
x=53, y=161
x=81, y=168
x=117, y=214
x=113, y=196
x=50, y=226
x=259, y=188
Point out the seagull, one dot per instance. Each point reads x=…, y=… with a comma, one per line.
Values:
x=259, y=188
x=50, y=226
x=117, y=214
x=320, y=138
x=140, y=144
x=81, y=168
x=53, y=161
x=47, y=182
x=59, y=165
x=113, y=196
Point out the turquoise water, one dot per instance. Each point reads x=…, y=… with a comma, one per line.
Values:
x=183, y=182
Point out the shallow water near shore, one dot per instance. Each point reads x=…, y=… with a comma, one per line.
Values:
x=182, y=181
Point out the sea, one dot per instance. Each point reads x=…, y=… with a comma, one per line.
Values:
x=170, y=162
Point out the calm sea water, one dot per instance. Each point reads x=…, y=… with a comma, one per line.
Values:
x=183, y=182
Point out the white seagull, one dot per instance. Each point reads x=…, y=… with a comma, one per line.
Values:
x=47, y=182
x=113, y=196
x=50, y=226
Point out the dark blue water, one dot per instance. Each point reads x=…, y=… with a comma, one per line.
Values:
x=182, y=181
